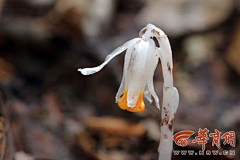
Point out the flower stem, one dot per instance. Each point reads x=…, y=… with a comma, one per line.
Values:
x=170, y=101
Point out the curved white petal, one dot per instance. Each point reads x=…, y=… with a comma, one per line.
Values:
x=126, y=63
x=148, y=95
x=152, y=62
x=120, y=89
x=136, y=72
x=153, y=93
x=89, y=71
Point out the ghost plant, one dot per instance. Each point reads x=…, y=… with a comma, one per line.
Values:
x=141, y=59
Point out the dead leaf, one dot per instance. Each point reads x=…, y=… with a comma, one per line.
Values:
x=116, y=126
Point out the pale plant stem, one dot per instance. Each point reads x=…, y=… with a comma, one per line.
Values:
x=170, y=101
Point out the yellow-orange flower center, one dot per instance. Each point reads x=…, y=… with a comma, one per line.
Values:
x=139, y=107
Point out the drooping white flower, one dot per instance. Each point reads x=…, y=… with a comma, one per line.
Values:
x=141, y=59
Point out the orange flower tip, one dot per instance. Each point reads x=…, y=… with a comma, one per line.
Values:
x=139, y=107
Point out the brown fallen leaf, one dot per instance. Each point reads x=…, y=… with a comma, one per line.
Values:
x=116, y=126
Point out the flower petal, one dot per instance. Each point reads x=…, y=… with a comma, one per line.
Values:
x=148, y=95
x=126, y=63
x=89, y=71
x=153, y=93
x=136, y=73
x=152, y=62
x=120, y=89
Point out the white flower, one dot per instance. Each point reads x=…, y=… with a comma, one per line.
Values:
x=141, y=59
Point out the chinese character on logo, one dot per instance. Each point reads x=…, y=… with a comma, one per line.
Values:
x=202, y=137
x=216, y=138
x=181, y=137
x=229, y=138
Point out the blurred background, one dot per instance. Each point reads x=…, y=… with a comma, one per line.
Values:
x=49, y=111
